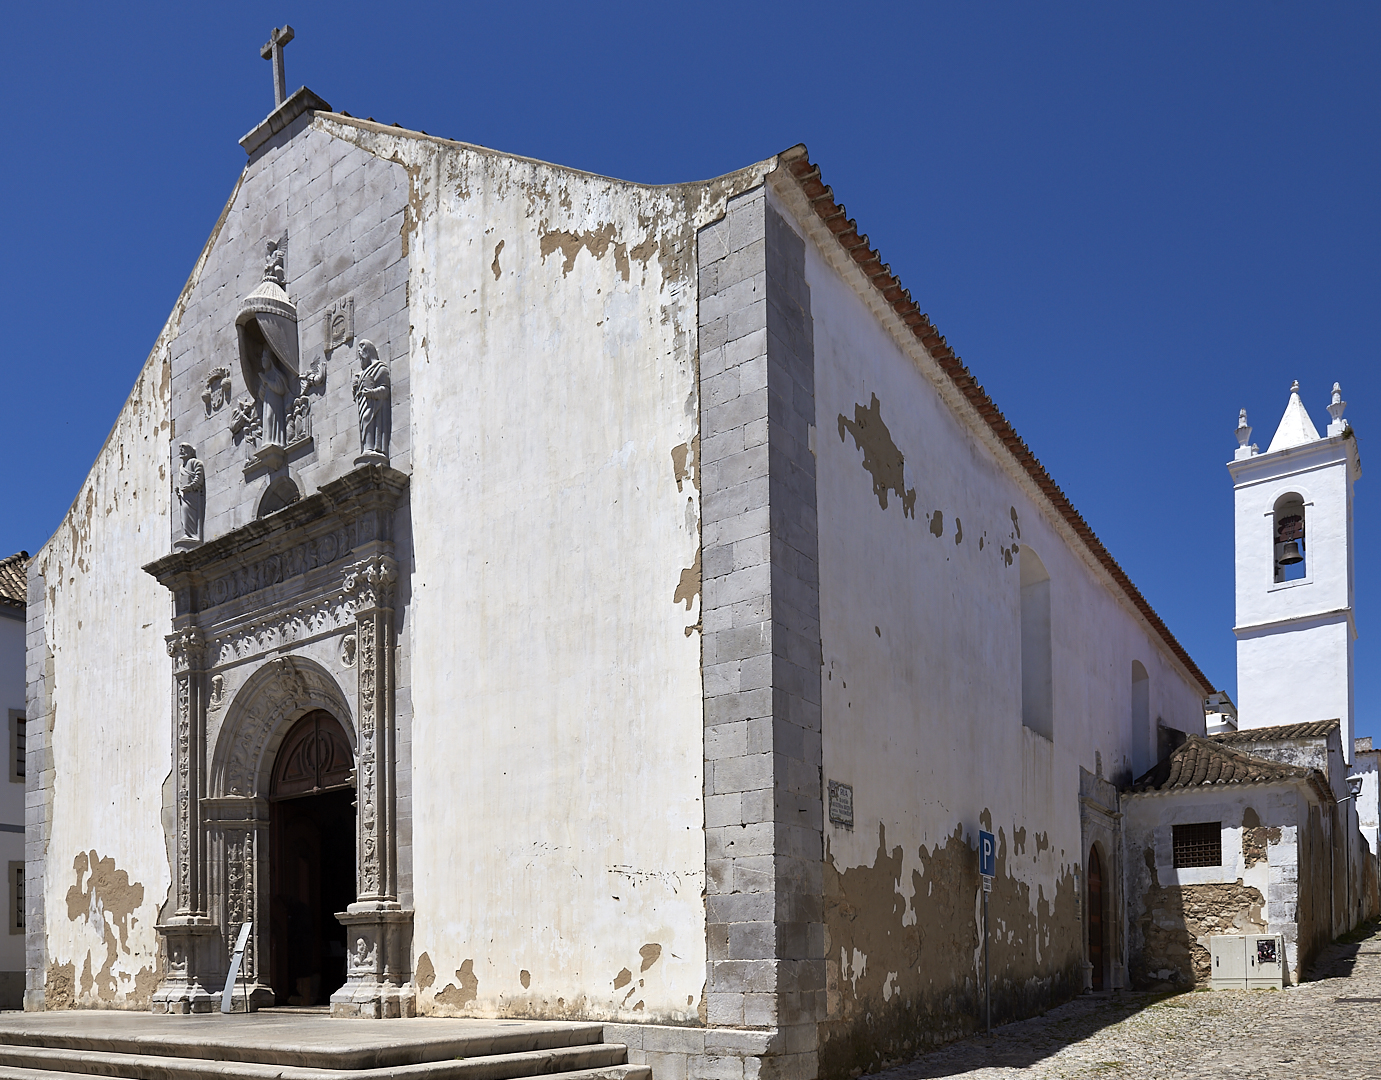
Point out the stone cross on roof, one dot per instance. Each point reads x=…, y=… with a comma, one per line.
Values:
x=273, y=50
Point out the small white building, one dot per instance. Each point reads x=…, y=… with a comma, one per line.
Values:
x=12, y=604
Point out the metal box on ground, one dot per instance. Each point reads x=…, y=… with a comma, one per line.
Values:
x=1228, y=954
x=1247, y=961
x=1265, y=961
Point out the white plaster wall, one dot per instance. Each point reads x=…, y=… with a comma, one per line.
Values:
x=1294, y=651
x=108, y=712
x=921, y=633
x=1367, y=764
x=11, y=790
x=559, y=853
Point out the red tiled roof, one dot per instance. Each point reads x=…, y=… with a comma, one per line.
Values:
x=846, y=233
x=1314, y=729
x=1204, y=762
x=14, y=589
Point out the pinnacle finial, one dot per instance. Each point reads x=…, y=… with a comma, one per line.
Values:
x=1244, y=436
x=1294, y=387
x=1335, y=410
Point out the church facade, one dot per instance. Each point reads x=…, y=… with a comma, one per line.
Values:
x=515, y=592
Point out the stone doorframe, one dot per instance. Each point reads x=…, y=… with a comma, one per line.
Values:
x=235, y=812
x=1100, y=826
x=320, y=568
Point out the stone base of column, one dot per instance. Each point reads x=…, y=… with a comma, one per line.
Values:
x=192, y=941
x=378, y=984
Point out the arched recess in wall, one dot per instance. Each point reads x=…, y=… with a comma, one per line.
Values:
x=1143, y=736
x=1037, y=684
x=1287, y=538
x=282, y=492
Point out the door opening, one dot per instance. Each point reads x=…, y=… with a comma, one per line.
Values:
x=312, y=860
x=1095, y=916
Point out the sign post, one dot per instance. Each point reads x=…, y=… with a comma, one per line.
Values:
x=987, y=866
x=228, y=994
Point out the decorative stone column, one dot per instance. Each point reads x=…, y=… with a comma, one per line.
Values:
x=378, y=929
x=191, y=938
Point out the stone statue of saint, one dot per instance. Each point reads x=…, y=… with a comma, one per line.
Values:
x=372, y=398
x=191, y=494
x=273, y=389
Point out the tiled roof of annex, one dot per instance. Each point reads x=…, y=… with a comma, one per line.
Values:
x=797, y=163
x=1313, y=729
x=1203, y=762
x=13, y=583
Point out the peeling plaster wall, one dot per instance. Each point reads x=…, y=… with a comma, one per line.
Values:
x=98, y=715
x=922, y=524
x=559, y=856
x=1274, y=878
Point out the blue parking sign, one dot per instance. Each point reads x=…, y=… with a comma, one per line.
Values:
x=987, y=853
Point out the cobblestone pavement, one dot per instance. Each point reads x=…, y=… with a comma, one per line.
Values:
x=1307, y=1031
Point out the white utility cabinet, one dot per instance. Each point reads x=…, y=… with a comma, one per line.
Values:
x=1229, y=956
x=1247, y=961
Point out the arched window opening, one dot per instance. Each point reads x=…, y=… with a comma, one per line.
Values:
x=282, y=492
x=1288, y=538
x=1142, y=733
x=1037, y=689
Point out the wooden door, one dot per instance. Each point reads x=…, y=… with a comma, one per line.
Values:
x=1095, y=916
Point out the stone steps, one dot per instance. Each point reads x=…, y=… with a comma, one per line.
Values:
x=239, y=1052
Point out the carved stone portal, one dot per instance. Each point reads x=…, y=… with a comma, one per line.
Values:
x=325, y=568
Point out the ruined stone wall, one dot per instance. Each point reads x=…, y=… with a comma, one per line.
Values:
x=923, y=524
x=557, y=809
x=100, y=743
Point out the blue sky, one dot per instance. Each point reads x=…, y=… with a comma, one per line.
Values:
x=1129, y=219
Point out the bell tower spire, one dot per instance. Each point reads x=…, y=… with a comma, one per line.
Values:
x=1293, y=554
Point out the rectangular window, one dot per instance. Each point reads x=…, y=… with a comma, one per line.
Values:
x=16, y=898
x=1200, y=844
x=17, y=746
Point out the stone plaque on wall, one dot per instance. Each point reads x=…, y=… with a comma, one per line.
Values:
x=841, y=804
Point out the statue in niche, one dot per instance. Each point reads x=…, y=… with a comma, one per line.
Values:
x=191, y=496
x=266, y=327
x=273, y=392
x=372, y=393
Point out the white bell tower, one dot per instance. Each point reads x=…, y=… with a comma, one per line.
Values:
x=1295, y=625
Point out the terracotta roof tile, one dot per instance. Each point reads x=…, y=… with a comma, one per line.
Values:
x=1204, y=762
x=1314, y=729
x=821, y=197
x=14, y=588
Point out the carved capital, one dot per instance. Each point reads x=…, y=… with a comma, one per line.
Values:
x=369, y=583
x=186, y=647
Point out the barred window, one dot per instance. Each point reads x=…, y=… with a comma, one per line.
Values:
x=17, y=746
x=1200, y=844
x=16, y=898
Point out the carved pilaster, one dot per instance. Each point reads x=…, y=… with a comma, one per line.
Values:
x=380, y=931
x=189, y=935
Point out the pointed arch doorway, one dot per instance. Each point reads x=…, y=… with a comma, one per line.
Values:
x=312, y=859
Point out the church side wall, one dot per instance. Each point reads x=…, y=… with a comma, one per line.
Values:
x=559, y=853
x=921, y=533
x=100, y=742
